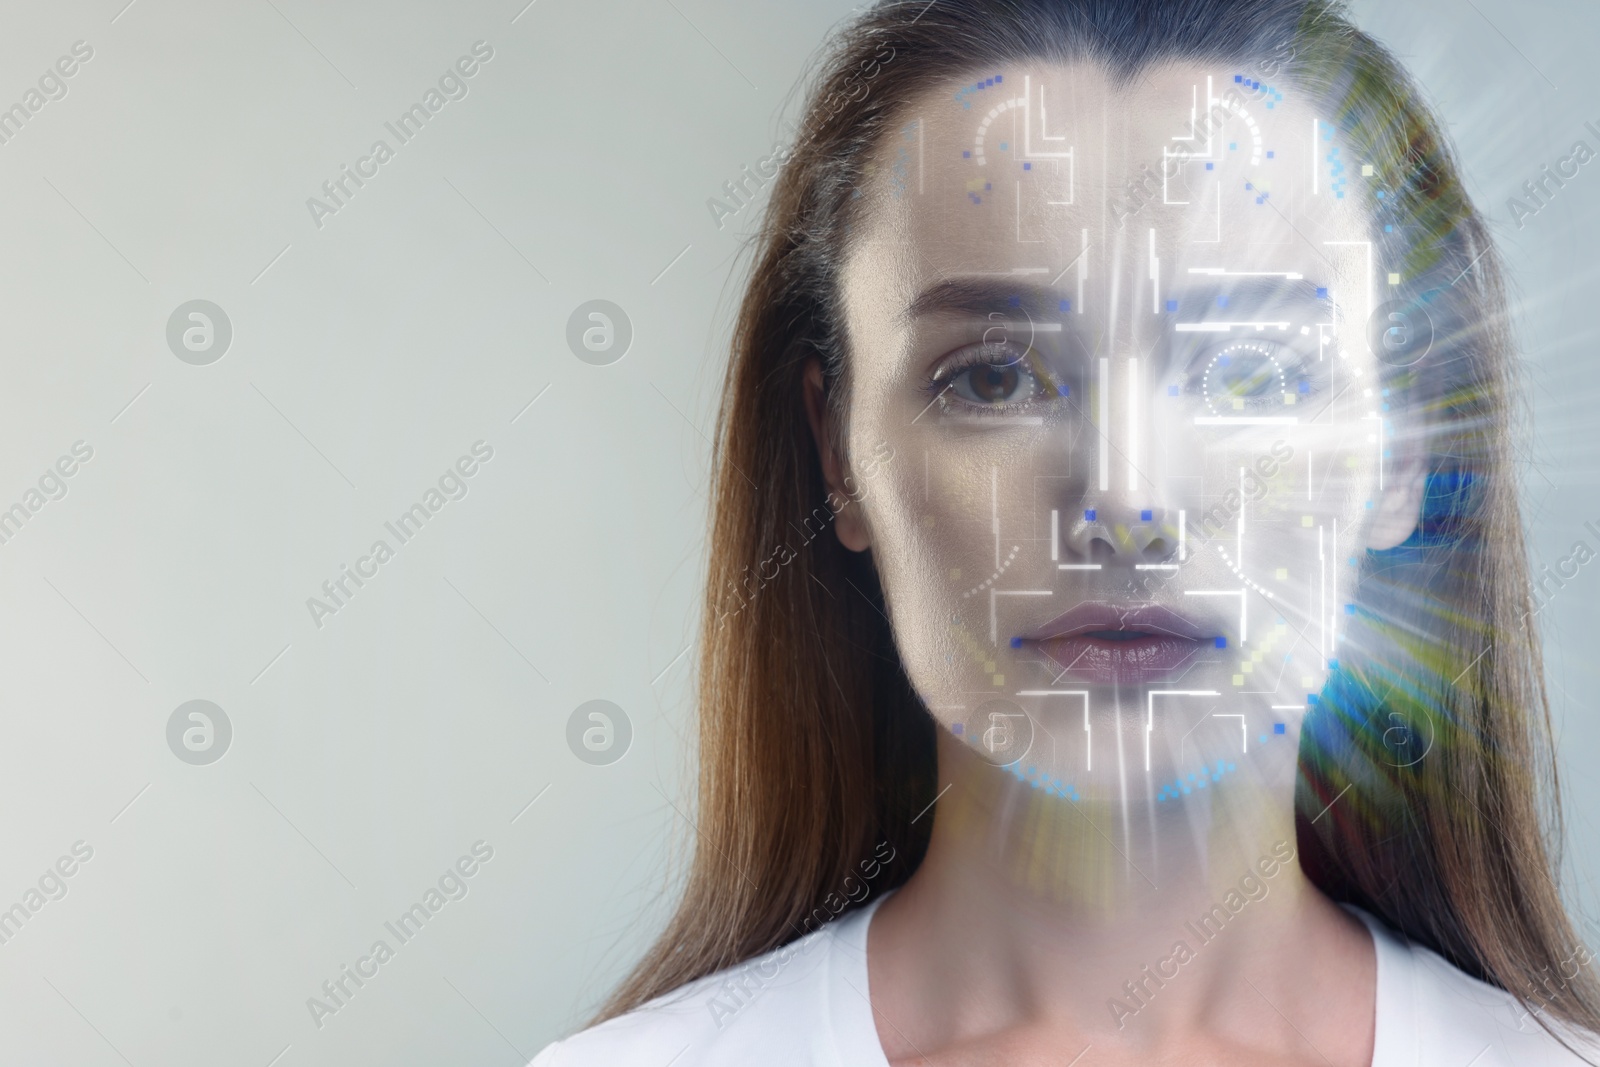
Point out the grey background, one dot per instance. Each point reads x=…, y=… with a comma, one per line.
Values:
x=369, y=754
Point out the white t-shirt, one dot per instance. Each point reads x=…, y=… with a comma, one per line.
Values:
x=806, y=1003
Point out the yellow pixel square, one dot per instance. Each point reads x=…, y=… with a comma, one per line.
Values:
x=1394, y=279
x=1366, y=170
x=1305, y=520
x=988, y=668
x=999, y=679
x=1238, y=679
x=1283, y=574
x=956, y=573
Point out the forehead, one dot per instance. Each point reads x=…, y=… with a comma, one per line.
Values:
x=1049, y=173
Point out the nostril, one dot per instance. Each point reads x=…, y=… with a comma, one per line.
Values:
x=1157, y=548
x=1101, y=551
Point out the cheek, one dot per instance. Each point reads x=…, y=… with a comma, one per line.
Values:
x=931, y=515
x=1303, y=540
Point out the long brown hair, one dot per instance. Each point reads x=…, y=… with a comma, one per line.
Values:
x=815, y=751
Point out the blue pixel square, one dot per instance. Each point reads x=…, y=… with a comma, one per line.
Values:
x=1305, y=387
x=1333, y=664
x=1237, y=78
x=1210, y=166
x=1222, y=302
x=1250, y=187
x=1233, y=146
x=1027, y=166
x=1172, y=305
x=998, y=78
x=1388, y=228
x=1065, y=305
x=1172, y=390
x=1088, y=515
x=966, y=155
x=1221, y=642
x=1015, y=301
x=1064, y=390
x=1016, y=642
x=1349, y=609
x=1312, y=698
x=1146, y=515
x=958, y=729
x=1271, y=155
x=1278, y=728
x=987, y=187
x=1322, y=294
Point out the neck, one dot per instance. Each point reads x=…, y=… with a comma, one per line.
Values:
x=1107, y=914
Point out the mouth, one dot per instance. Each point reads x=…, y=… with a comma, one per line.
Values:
x=1105, y=644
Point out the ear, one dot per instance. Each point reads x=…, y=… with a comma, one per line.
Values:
x=1398, y=508
x=848, y=524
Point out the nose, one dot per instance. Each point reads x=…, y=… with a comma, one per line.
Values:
x=1106, y=533
x=1121, y=515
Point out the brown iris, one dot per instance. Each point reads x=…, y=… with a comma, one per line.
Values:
x=994, y=384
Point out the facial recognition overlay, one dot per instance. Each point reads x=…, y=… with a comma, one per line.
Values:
x=1145, y=380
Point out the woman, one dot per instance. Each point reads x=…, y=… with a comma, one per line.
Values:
x=1115, y=639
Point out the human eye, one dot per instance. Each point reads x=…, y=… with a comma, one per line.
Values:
x=991, y=379
x=1252, y=377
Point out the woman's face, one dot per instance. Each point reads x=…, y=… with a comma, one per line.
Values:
x=1116, y=342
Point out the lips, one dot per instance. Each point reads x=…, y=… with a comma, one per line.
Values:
x=1105, y=644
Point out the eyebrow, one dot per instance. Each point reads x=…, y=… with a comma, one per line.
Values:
x=1250, y=290
x=980, y=296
